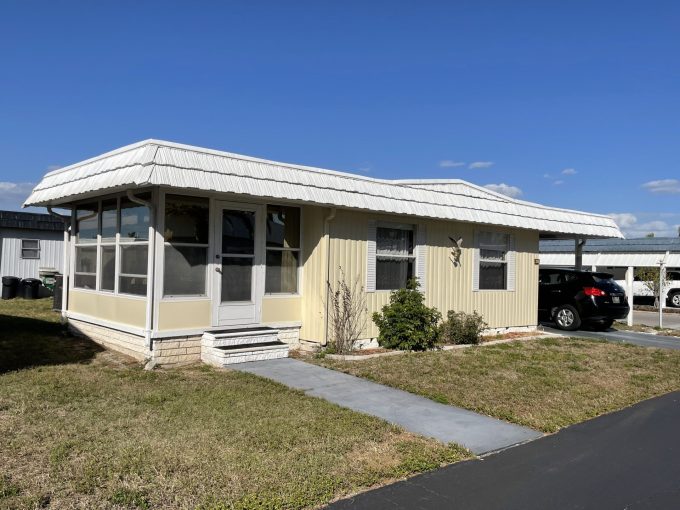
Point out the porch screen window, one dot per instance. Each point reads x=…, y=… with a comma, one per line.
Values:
x=108, y=257
x=494, y=264
x=87, y=238
x=283, y=249
x=395, y=257
x=186, y=245
x=133, y=240
x=30, y=249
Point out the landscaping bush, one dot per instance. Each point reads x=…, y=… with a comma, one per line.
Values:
x=406, y=323
x=462, y=328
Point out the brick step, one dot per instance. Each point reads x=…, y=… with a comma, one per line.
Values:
x=224, y=356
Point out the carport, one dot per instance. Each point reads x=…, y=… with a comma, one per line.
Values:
x=620, y=257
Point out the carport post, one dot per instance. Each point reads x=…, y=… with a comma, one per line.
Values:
x=662, y=300
x=630, y=291
x=578, y=252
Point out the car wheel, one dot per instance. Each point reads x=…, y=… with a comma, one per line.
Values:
x=567, y=318
x=602, y=326
x=674, y=299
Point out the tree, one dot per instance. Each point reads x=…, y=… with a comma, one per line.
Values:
x=649, y=276
x=651, y=234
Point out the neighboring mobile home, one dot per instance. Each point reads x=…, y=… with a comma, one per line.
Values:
x=179, y=252
x=30, y=242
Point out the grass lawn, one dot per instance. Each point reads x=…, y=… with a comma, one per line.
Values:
x=545, y=384
x=85, y=428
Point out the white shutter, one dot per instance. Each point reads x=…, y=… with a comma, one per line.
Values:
x=421, y=254
x=475, y=262
x=370, y=256
x=511, y=257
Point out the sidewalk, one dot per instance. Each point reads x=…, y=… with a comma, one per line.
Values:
x=480, y=434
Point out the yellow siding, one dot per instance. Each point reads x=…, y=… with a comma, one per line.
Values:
x=448, y=287
x=313, y=273
x=119, y=309
x=281, y=309
x=184, y=314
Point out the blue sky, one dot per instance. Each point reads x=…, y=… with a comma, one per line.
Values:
x=571, y=104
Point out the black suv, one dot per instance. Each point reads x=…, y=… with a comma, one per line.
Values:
x=571, y=298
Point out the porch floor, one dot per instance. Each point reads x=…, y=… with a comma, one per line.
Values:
x=480, y=434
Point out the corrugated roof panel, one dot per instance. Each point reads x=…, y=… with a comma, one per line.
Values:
x=163, y=163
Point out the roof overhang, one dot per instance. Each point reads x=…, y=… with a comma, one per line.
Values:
x=159, y=163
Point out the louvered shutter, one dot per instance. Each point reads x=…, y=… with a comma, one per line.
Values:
x=512, y=262
x=475, y=262
x=370, y=257
x=421, y=256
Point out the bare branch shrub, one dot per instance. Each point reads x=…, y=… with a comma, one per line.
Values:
x=346, y=313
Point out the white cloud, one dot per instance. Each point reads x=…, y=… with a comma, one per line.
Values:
x=558, y=182
x=505, y=189
x=624, y=220
x=480, y=164
x=569, y=171
x=634, y=225
x=547, y=176
x=670, y=186
x=449, y=163
x=13, y=194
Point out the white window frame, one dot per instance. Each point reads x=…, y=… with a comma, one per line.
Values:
x=296, y=292
x=509, y=260
x=98, y=243
x=23, y=249
x=412, y=256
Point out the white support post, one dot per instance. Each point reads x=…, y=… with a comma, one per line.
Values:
x=630, y=291
x=662, y=300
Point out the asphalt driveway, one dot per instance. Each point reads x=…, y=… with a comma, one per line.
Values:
x=625, y=460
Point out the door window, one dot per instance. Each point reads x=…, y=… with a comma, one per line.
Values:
x=238, y=254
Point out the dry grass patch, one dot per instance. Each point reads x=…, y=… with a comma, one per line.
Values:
x=93, y=433
x=545, y=384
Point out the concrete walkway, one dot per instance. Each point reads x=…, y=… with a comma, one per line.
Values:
x=480, y=434
x=631, y=337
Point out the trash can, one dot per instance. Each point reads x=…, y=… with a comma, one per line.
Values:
x=58, y=286
x=47, y=275
x=10, y=286
x=30, y=288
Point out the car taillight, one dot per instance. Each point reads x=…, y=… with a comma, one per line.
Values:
x=594, y=291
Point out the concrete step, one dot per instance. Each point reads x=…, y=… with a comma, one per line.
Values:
x=224, y=356
x=239, y=337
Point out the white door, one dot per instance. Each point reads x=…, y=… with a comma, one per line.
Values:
x=238, y=264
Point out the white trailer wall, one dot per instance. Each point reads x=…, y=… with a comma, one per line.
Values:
x=51, y=252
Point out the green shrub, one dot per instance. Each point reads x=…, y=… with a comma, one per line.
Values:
x=462, y=328
x=406, y=323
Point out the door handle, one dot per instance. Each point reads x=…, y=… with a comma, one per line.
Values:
x=218, y=269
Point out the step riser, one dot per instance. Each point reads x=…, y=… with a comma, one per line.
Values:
x=220, y=358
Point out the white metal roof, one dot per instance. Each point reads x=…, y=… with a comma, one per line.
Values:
x=160, y=163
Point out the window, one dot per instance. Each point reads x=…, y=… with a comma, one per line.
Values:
x=283, y=249
x=395, y=258
x=30, y=249
x=105, y=231
x=493, y=260
x=186, y=245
